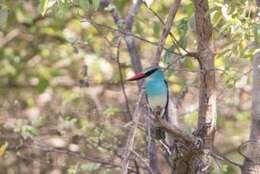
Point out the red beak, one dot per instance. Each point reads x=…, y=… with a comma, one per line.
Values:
x=137, y=76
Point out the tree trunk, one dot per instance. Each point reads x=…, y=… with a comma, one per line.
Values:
x=252, y=162
x=194, y=161
x=207, y=97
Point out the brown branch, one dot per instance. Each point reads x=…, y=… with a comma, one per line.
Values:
x=176, y=42
x=219, y=156
x=122, y=81
x=42, y=146
x=9, y=37
x=131, y=13
x=133, y=35
x=131, y=135
x=128, y=36
x=166, y=30
x=176, y=132
x=143, y=161
x=207, y=97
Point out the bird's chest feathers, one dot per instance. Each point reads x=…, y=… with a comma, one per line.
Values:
x=156, y=91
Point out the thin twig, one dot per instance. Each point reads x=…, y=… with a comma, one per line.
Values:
x=143, y=161
x=166, y=30
x=176, y=42
x=121, y=80
x=131, y=134
x=221, y=157
x=129, y=34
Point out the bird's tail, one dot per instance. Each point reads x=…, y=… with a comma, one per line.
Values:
x=159, y=133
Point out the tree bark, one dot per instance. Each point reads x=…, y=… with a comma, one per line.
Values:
x=258, y=3
x=194, y=159
x=252, y=162
x=207, y=95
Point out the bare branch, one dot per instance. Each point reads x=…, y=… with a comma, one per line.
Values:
x=188, y=53
x=176, y=132
x=166, y=30
x=221, y=157
x=130, y=17
x=131, y=134
x=122, y=81
x=143, y=161
x=129, y=39
x=134, y=36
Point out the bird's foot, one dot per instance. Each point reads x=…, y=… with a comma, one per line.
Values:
x=201, y=131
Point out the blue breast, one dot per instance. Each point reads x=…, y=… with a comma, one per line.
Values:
x=156, y=90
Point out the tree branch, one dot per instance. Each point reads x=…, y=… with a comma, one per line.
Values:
x=122, y=81
x=128, y=36
x=131, y=135
x=166, y=31
x=176, y=132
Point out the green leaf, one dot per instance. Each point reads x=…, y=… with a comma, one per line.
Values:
x=83, y=4
x=182, y=26
x=63, y=8
x=189, y=64
x=256, y=31
x=29, y=131
x=110, y=7
x=42, y=85
x=89, y=167
x=43, y=6
x=168, y=57
x=110, y=111
x=3, y=16
x=96, y=4
x=189, y=9
x=156, y=28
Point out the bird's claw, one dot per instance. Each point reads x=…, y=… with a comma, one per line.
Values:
x=202, y=129
x=198, y=143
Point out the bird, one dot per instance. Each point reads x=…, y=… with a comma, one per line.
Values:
x=157, y=94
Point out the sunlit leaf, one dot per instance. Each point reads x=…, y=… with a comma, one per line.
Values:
x=89, y=167
x=43, y=6
x=189, y=64
x=28, y=131
x=189, y=9
x=148, y=2
x=110, y=111
x=3, y=149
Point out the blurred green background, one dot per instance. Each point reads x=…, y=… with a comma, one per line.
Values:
x=60, y=95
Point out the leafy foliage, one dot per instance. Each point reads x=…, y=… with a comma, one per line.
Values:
x=45, y=45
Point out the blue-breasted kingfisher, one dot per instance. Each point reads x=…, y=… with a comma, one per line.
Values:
x=157, y=94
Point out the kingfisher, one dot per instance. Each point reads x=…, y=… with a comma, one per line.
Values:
x=157, y=94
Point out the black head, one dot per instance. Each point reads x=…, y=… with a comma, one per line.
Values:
x=147, y=72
